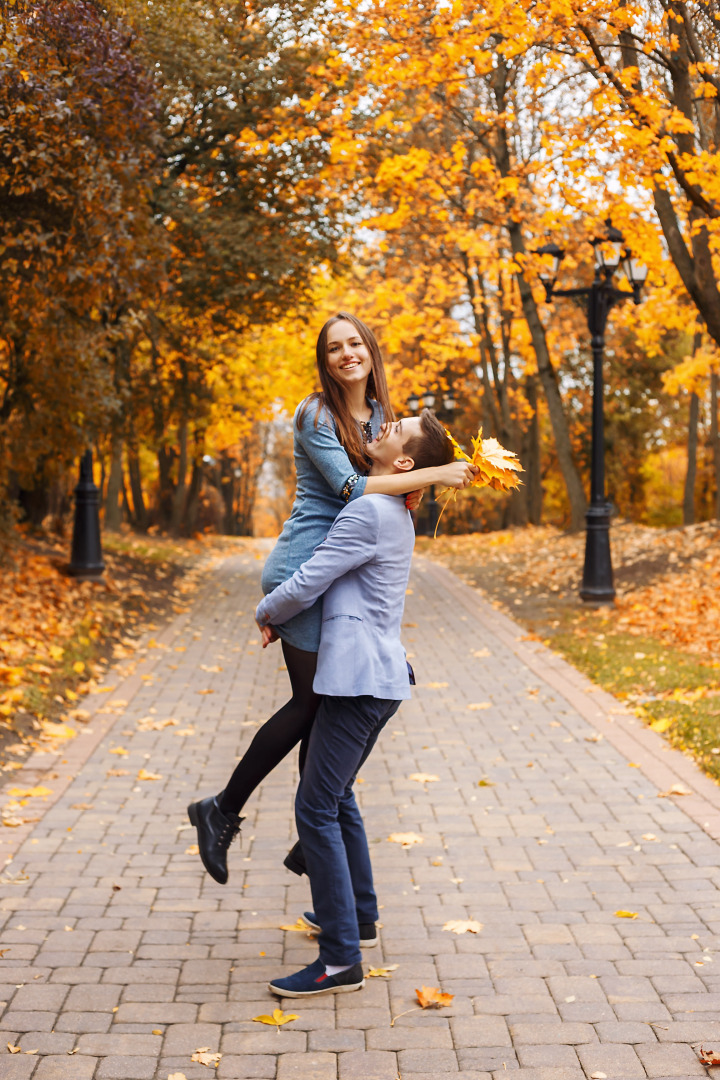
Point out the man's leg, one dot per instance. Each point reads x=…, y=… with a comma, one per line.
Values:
x=343, y=732
x=354, y=836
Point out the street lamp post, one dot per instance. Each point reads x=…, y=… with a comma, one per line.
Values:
x=601, y=296
x=444, y=412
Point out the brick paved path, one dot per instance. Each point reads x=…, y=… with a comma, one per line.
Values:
x=121, y=958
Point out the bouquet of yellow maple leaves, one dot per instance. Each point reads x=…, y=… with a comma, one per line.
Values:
x=498, y=468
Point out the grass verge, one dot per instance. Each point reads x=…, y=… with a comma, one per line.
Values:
x=656, y=649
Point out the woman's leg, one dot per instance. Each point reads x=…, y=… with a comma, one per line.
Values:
x=279, y=734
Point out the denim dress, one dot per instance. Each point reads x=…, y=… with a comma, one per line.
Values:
x=323, y=470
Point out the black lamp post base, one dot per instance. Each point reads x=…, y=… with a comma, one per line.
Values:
x=597, y=584
x=86, y=561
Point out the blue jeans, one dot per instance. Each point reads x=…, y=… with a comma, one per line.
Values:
x=329, y=824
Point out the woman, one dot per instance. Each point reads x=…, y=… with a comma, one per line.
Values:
x=331, y=429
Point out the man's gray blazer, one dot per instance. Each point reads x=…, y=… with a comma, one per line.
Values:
x=362, y=568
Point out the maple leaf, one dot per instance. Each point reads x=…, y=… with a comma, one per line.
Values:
x=407, y=839
x=675, y=789
x=463, y=926
x=432, y=997
x=143, y=774
x=621, y=914
x=382, y=972
x=203, y=1056
x=278, y=1018
x=423, y=777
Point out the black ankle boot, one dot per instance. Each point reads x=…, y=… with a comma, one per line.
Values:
x=295, y=860
x=216, y=832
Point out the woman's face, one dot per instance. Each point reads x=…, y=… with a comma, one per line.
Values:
x=348, y=357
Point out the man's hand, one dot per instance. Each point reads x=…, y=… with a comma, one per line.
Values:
x=458, y=474
x=268, y=634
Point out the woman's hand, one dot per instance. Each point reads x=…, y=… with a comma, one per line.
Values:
x=458, y=474
x=413, y=499
x=268, y=634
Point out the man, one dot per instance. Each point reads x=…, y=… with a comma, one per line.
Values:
x=362, y=568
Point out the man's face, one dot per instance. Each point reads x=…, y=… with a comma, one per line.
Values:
x=387, y=449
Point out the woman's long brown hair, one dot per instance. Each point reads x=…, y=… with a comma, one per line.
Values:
x=332, y=397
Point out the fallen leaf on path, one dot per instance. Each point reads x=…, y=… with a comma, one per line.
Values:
x=626, y=914
x=117, y=772
x=82, y=806
x=75, y=1050
x=463, y=926
x=278, y=1018
x=423, y=777
x=598, y=1076
x=676, y=789
x=595, y=737
x=14, y=1049
x=150, y=723
x=185, y=732
x=300, y=926
x=432, y=997
x=206, y=691
x=486, y=783
x=407, y=839
x=435, y=685
x=120, y=751
x=192, y=850
x=203, y=1056
x=52, y=730
x=29, y=793
x=143, y=774
x=382, y=972
x=709, y=1057
x=475, y=705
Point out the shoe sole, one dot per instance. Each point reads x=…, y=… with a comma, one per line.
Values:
x=365, y=943
x=315, y=993
x=192, y=814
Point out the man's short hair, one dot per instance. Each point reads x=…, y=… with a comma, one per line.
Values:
x=431, y=447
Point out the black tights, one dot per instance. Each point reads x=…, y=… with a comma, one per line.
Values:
x=290, y=725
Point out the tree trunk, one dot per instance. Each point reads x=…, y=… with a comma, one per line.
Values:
x=140, y=514
x=690, y=475
x=551, y=389
x=714, y=439
x=113, y=512
x=179, y=497
x=193, y=499
x=533, y=476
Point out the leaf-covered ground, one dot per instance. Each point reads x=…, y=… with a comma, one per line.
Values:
x=658, y=648
x=58, y=635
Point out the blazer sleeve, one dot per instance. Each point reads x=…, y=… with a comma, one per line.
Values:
x=352, y=541
x=325, y=450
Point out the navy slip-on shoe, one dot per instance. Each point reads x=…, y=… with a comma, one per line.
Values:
x=368, y=931
x=312, y=981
